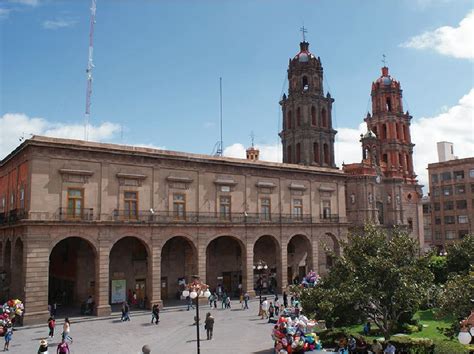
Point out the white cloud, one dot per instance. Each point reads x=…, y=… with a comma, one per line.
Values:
x=58, y=23
x=347, y=148
x=14, y=126
x=272, y=153
x=26, y=2
x=452, y=41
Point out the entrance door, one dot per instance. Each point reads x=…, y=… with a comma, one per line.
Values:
x=227, y=282
x=164, y=288
x=140, y=289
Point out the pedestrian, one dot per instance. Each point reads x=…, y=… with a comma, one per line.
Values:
x=146, y=349
x=215, y=300
x=211, y=300
x=8, y=337
x=155, y=314
x=285, y=299
x=54, y=309
x=63, y=348
x=223, y=299
x=241, y=299
x=277, y=306
x=246, y=301
x=209, y=325
x=43, y=348
x=125, y=312
x=227, y=302
x=376, y=347
x=292, y=301
x=352, y=344
x=67, y=330
x=390, y=349
x=190, y=302
x=271, y=311
x=264, y=308
x=51, y=326
x=367, y=328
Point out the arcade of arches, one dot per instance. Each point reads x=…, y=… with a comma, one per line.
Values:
x=154, y=269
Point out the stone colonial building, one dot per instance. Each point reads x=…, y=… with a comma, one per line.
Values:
x=81, y=218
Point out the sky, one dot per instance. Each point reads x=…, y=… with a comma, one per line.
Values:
x=158, y=64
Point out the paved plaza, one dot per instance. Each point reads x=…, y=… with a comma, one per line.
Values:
x=235, y=331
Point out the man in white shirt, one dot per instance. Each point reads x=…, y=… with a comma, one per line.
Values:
x=265, y=308
x=390, y=349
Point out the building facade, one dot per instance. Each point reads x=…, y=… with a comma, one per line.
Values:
x=383, y=189
x=451, y=205
x=81, y=218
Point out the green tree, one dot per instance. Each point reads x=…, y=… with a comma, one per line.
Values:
x=460, y=256
x=380, y=277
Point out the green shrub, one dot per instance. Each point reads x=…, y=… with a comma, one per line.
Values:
x=449, y=347
x=413, y=345
x=409, y=328
x=330, y=337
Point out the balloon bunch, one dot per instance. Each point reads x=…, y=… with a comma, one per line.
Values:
x=13, y=307
x=295, y=336
x=310, y=280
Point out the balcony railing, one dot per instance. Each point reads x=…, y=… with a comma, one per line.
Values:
x=163, y=217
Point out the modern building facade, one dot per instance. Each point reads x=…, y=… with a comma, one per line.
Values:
x=451, y=205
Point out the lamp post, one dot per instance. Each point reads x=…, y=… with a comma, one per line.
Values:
x=195, y=290
x=260, y=266
x=467, y=329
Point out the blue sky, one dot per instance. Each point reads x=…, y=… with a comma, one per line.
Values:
x=158, y=64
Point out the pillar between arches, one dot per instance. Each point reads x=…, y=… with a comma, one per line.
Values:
x=36, y=261
x=102, y=278
x=315, y=253
x=248, y=281
x=284, y=264
x=154, y=273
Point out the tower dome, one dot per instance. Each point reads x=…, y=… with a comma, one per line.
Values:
x=304, y=54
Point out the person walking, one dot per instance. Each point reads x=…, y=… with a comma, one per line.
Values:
x=63, y=348
x=43, y=348
x=215, y=300
x=271, y=311
x=264, y=308
x=241, y=300
x=285, y=299
x=211, y=300
x=190, y=302
x=8, y=337
x=227, y=302
x=51, y=326
x=224, y=300
x=67, y=330
x=155, y=314
x=209, y=325
x=125, y=312
x=246, y=301
x=277, y=305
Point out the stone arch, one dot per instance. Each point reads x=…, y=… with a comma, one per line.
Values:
x=328, y=245
x=178, y=260
x=226, y=262
x=299, y=257
x=72, y=266
x=324, y=118
x=267, y=249
x=17, y=270
x=129, y=272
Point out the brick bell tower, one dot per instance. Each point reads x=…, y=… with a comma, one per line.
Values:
x=307, y=135
x=394, y=149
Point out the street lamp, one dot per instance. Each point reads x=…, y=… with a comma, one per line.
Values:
x=195, y=290
x=260, y=266
x=467, y=329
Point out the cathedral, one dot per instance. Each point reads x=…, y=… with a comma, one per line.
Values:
x=81, y=219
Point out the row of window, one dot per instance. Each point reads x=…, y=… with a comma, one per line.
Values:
x=323, y=122
x=316, y=153
x=448, y=205
x=449, y=190
x=12, y=205
x=451, y=219
x=448, y=176
x=448, y=235
x=75, y=206
x=381, y=131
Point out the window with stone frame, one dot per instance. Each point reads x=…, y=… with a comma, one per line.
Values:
x=437, y=235
x=12, y=201
x=472, y=187
x=458, y=175
x=265, y=208
x=448, y=205
x=460, y=189
x=463, y=219
x=22, y=197
x=437, y=221
x=436, y=192
x=130, y=202
x=447, y=190
x=297, y=209
x=434, y=178
x=326, y=208
x=449, y=219
x=450, y=235
x=225, y=207
x=471, y=173
x=462, y=233
x=75, y=203
x=3, y=203
x=461, y=204
x=179, y=206
x=437, y=206
x=446, y=176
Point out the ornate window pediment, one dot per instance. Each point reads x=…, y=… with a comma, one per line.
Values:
x=75, y=176
x=130, y=179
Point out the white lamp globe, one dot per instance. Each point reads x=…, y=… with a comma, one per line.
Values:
x=464, y=338
x=254, y=267
x=193, y=295
x=185, y=293
x=207, y=293
x=266, y=267
x=472, y=331
x=259, y=267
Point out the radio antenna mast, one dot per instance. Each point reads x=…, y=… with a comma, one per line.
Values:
x=90, y=66
x=220, y=149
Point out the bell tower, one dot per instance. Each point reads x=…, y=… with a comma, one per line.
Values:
x=392, y=128
x=307, y=134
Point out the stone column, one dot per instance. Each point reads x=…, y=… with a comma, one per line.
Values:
x=36, y=265
x=315, y=252
x=102, y=278
x=154, y=272
x=201, y=257
x=248, y=281
x=284, y=264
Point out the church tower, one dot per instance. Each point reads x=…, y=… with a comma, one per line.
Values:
x=307, y=135
x=394, y=149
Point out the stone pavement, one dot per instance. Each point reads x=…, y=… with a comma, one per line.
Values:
x=235, y=331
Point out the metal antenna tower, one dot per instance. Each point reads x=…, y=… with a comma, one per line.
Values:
x=220, y=149
x=90, y=66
